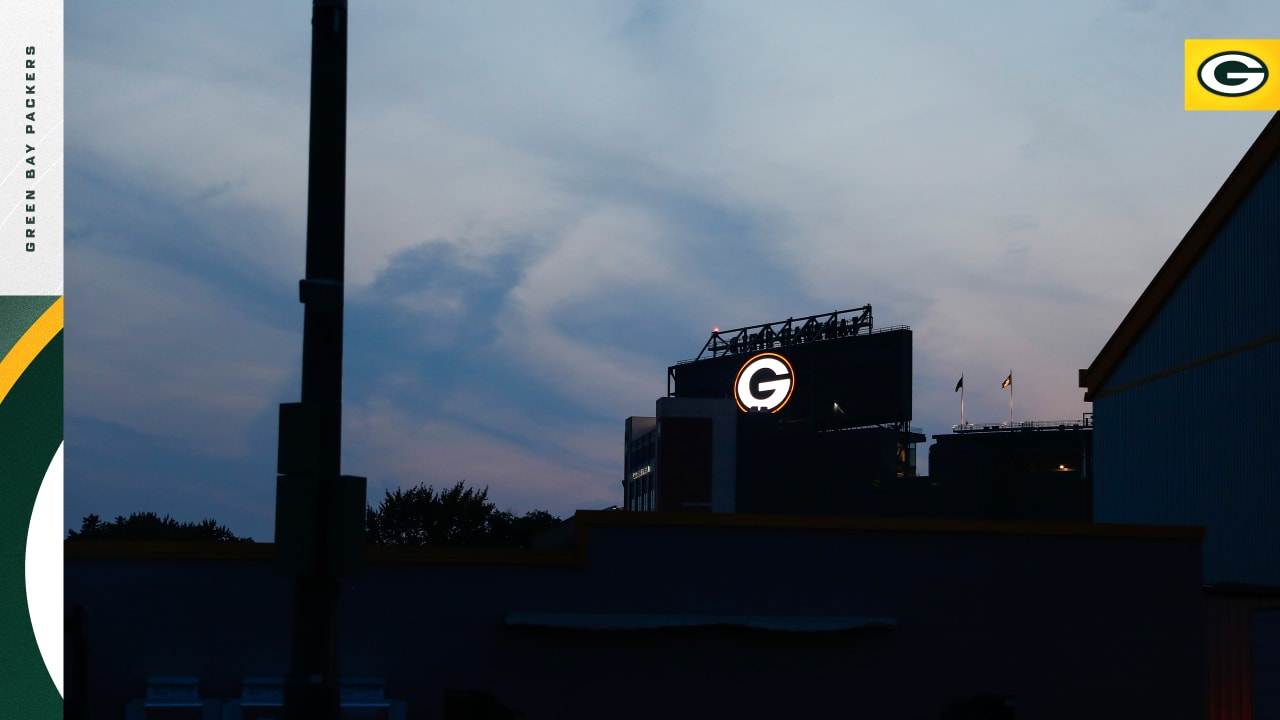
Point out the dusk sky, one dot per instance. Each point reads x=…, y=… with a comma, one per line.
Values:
x=550, y=203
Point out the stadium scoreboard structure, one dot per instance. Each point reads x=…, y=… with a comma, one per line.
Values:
x=830, y=370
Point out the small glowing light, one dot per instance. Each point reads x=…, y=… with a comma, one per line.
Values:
x=715, y=330
x=1062, y=467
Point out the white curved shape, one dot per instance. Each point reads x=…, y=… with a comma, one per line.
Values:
x=44, y=569
x=777, y=391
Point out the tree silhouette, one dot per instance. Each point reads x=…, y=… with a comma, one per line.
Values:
x=459, y=515
x=149, y=526
x=519, y=530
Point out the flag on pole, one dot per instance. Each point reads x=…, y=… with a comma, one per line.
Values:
x=1008, y=383
x=959, y=384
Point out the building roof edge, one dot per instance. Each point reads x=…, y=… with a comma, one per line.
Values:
x=1202, y=233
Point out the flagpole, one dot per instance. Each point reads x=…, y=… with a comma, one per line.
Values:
x=962, y=400
x=1010, y=397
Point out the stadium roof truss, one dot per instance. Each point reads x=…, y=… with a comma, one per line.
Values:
x=787, y=333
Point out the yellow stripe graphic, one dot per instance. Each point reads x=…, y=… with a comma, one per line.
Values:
x=26, y=349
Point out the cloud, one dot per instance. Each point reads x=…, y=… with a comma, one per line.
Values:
x=548, y=205
x=115, y=471
x=521, y=475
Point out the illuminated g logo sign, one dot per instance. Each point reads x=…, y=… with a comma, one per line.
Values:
x=1232, y=74
x=764, y=383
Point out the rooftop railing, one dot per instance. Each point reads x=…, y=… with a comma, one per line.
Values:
x=785, y=333
x=1080, y=424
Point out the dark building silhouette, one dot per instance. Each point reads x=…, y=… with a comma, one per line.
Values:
x=680, y=615
x=1186, y=388
x=806, y=415
x=1029, y=471
x=1184, y=400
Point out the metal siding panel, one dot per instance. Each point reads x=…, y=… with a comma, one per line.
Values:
x=1229, y=297
x=1266, y=664
x=1228, y=662
x=1191, y=449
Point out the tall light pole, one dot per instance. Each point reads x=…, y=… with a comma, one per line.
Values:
x=320, y=512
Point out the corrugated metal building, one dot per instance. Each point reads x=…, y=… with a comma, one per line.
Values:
x=1184, y=393
x=1184, y=400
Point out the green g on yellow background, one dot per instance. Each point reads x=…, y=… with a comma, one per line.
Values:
x=1232, y=74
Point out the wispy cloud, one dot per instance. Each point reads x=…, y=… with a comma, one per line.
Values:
x=548, y=205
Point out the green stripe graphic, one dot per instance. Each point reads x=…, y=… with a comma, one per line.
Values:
x=30, y=433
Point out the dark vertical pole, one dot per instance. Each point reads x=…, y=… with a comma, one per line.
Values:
x=311, y=690
x=326, y=216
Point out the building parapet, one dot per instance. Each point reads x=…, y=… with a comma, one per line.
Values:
x=1084, y=423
